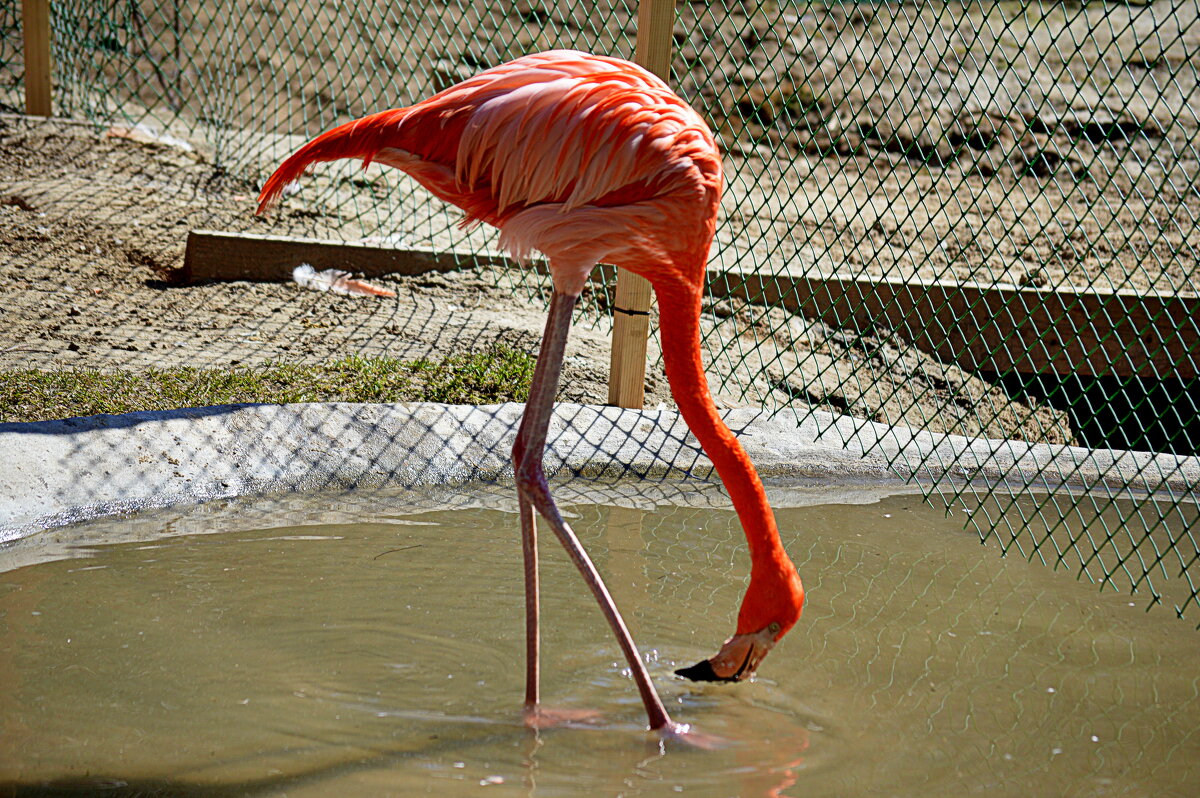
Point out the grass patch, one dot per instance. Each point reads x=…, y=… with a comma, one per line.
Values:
x=499, y=374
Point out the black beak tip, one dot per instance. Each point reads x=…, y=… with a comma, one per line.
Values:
x=702, y=671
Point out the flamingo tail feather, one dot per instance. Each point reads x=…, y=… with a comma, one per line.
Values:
x=362, y=138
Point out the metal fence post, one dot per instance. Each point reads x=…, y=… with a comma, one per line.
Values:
x=631, y=314
x=35, y=25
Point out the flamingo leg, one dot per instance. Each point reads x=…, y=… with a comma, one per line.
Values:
x=532, y=487
x=532, y=607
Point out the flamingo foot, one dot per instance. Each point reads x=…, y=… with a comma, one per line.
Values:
x=686, y=735
x=541, y=717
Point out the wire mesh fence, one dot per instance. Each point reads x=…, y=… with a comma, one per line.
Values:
x=978, y=219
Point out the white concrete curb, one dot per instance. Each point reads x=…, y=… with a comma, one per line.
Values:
x=59, y=472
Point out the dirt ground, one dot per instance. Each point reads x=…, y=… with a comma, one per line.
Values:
x=92, y=229
x=1034, y=144
x=892, y=141
x=1043, y=144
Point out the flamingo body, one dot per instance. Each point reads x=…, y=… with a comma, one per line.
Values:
x=589, y=159
x=578, y=156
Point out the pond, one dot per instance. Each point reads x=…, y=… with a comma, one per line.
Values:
x=380, y=652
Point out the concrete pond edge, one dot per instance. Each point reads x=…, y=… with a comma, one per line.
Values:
x=65, y=471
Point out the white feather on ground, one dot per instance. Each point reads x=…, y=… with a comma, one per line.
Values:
x=144, y=134
x=335, y=280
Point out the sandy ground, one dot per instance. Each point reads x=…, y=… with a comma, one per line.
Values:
x=92, y=228
x=1032, y=144
x=1046, y=144
x=880, y=141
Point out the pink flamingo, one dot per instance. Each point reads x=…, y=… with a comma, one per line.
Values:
x=589, y=159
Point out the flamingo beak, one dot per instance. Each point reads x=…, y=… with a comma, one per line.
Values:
x=737, y=660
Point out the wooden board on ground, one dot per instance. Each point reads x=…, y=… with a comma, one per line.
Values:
x=979, y=327
x=1001, y=329
x=215, y=255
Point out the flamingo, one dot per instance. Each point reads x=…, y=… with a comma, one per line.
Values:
x=588, y=159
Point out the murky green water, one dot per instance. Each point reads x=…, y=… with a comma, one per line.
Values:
x=385, y=657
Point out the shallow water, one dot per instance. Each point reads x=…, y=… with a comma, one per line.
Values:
x=385, y=657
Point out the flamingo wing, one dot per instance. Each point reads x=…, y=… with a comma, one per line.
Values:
x=562, y=127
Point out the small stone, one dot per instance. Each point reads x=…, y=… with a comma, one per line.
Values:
x=722, y=309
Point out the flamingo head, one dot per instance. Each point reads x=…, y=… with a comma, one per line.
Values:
x=737, y=660
x=770, y=612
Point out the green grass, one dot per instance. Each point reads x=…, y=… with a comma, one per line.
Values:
x=500, y=374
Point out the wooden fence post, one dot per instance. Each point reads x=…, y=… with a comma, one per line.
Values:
x=631, y=314
x=35, y=25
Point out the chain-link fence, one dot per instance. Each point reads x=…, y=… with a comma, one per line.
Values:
x=976, y=219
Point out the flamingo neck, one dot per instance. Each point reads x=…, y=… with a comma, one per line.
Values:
x=772, y=573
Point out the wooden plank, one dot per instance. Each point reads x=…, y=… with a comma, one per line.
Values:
x=998, y=329
x=631, y=331
x=35, y=25
x=979, y=327
x=212, y=255
x=631, y=317
x=655, y=29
